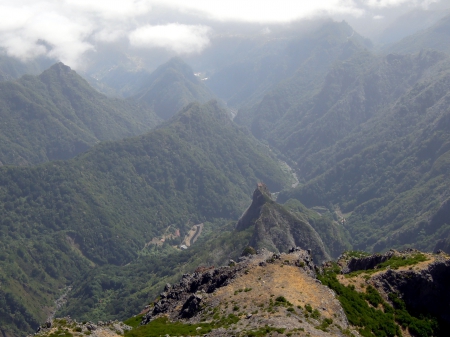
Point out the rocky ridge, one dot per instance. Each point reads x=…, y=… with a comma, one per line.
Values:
x=278, y=291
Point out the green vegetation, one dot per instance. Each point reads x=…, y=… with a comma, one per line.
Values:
x=281, y=299
x=394, y=262
x=368, y=133
x=65, y=219
x=325, y=324
x=163, y=326
x=335, y=237
x=263, y=331
x=122, y=289
x=60, y=333
x=423, y=326
x=372, y=320
x=355, y=254
x=134, y=321
x=248, y=251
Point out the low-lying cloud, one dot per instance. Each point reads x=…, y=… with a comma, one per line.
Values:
x=177, y=37
x=66, y=29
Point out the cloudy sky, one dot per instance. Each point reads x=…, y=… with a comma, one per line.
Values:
x=66, y=29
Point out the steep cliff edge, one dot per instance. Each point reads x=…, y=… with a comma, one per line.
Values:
x=409, y=280
x=277, y=229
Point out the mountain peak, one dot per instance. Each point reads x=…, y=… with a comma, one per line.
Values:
x=58, y=68
x=171, y=87
x=277, y=229
x=261, y=196
x=263, y=190
x=59, y=74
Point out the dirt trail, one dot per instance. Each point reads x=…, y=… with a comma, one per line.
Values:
x=193, y=235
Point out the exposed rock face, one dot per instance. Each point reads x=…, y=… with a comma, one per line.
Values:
x=367, y=262
x=425, y=290
x=184, y=294
x=261, y=196
x=276, y=228
x=422, y=284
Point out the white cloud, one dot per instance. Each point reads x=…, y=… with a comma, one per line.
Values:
x=378, y=17
x=177, y=37
x=72, y=27
x=111, y=9
x=396, y=3
x=264, y=11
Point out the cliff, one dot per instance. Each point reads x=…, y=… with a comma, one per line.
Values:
x=412, y=280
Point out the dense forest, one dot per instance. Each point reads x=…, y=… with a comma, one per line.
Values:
x=61, y=218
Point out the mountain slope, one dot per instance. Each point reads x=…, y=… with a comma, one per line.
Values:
x=368, y=141
x=410, y=23
x=57, y=115
x=101, y=208
x=354, y=92
x=389, y=173
x=171, y=87
x=244, y=83
x=436, y=37
x=306, y=95
x=12, y=68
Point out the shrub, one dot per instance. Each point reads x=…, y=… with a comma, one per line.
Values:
x=308, y=307
x=281, y=299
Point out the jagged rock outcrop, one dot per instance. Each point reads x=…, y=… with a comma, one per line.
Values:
x=277, y=229
x=420, y=279
x=185, y=293
x=367, y=262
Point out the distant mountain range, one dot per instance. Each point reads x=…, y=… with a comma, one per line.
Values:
x=435, y=37
x=57, y=115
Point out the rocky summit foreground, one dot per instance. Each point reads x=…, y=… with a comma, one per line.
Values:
x=267, y=294
x=263, y=293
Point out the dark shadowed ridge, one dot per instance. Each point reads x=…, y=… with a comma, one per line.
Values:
x=277, y=229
